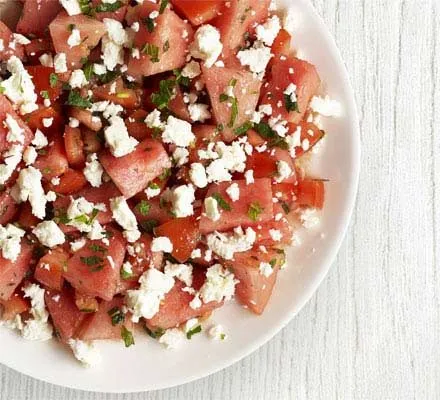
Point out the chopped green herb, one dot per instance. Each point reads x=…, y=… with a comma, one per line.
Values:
x=149, y=23
x=44, y=94
x=180, y=79
x=2, y=89
x=163, y=5
x=166, y=46
x=273, y=262
x=91, y=260
x=255, y=210
x=127, y=336
x=126, y=275
x=223, y=336
x=86, y=7
x=70, y=27
x=152, y=51
x=220, y=127
x=165, y=174
x=97, y=248
x=234, y=112
x=166, y=92
x=109, y=76
x=223, y=204
x=232, y=82
x=143, y=207
x=153, y=185
x=223, y=97
x=76, y=100
x=266, y=132
x=155, y=334
x=108, y=7
x=148, y=226
x=116, y=315
x=285, y=207
x=290, y=105
x=88, y=71
x=46, y=171
x=193, y=331
x=53, y=80
x=241, y=130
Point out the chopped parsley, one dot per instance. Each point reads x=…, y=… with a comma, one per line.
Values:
x=163, y=5
x=223, y=204
x=234, y=112
x=85, y=7
x=155, y=334
x=290, y=105
x=273, y=262
x=108, y=7
x=88, y=71
x=97, y=248
x=193, y=331
x=148, y=226
x=180, y=79
x=127, y=336
x=108, y=77
x=44, y=94
x=143, y=207
x=152, y=51
x=241, y=130
x=91, y=260
x=149, y=23
x=285, y=207
x=116, y=315
x=273, y=140
x=166, y=91
x=255, y=210
x=165, y=174
x=53, y=80
x=76, y=100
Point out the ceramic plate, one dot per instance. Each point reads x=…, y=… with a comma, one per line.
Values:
x=147, y=365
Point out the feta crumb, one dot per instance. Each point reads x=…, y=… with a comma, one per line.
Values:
x=49, y=234
x=326, y=106
x=39, y=140
x=211, y=209
x=276, y=235
x=99, y=69
x=172, y=338
x=113, y=43
x=47, y=122
x=183, y=272
x=60, y=63
x=206, y=45
x=30, y=155
x=15, y=132
x=152, y=192
x=256, y=58
x=78, y=79
x=10, y=241
x=75, y=38
x=153, y=119
x=93, y=170
x=249, y=176
x=217, y=332
x=219, y=285
x=267, y=32
x=198, y=176
x=182, y=199
x=125, y=218
x=284, y=171
x=196, y=253
x=180, y=156
x=85, y=352
x=309, y=218
x=161, y=243
x=178, y=132
x=195, y=303
x=72, y=7
x=226, y=246
x=199, y=112
x=46, y=60
x=118, y=139
x=233, y=192
x=191, y=70
x=11, y=159
x=265, y=269
x=77, y=245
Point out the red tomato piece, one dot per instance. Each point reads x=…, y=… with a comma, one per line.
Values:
x=171, y=37
x=246, y=92
x=184, y=235
x=49, y=270
x=14, y=306
x=133, y=172
x=91, y=32
x=13, y=272
x=46, y=10
x=311, y=193
x=41, y=78
x=256, y=195
x=7, y=52
x=199, y=12
x=74, y=147
x=118, y=94
x=94, y=269
x=71, y=182
x=8, y=207
x=53, y=162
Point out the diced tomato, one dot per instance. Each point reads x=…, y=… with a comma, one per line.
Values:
x=265, y=164
x=246, y=91
x=70, y=182
x=254, y=289
x=307, y=82
x=85, y=303
x=92, y=142
x=86, y=118
x=237, y=19
x=53, y=162
x=178, y=107
x=136, y=126
x=118, y=94
x=311, y=193
x=25, y=217
x=199, y=12
x=66, y=317
x=8, y=207
x=6, y=108
x=94, y=269
x=13, y=272
x=7, y=52
x=36, y=48
x=184, y=235
x=118, y=15
x=309, y=132
x=37, y=15
x=255, y=196
x=14, y=306
x=35, y=120
x=41, y=78
x=91, y=32
x=171, y=37
x=74, y=147
x=133, y=172
x=49, y=270
x=100, y=325
x=175, y=308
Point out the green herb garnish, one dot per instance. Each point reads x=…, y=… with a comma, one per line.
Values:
x=91, y=260
x=193, y=331
x=234, y=112
x=148, y=226
x=127, y=336
x=166, y=92
x=223, y=204
x=149, y=23
x=76, y=100
x=273, y=140
x=241, y=130
x=290, y=105
x=163, y=5
x=53, y=80
x=44, y=94
x=255, y=210
x=155, y=334
x=97, y=248
x=88, y=71
x=143, y=207
x=152, y=51
x=285, y=207
x=116, y=315
x=107, y=7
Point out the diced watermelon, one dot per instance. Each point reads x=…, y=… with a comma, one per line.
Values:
x=254, y=289
x=92, y=143
x=258, y=194
x=49, y=270
x=54, y=162
x=37, y=15
x=94, y=269
x=35, y=120
x=91, y=32
x=118, y=15
x=70, y=182
x=26, y=219
x=171, y=37
x=144, y=258
x=86, y=118
x=310, y=132
x=175, y=308
x=40, y=77
x=12, y=307
x=74, y=147
x=307, y=82
x=117, y=93
x=281, y=225
x=178, y=107
x=7, y=38
x=6, y=108
x=36, y=48
x=246, y=92
x=136, y=126
x=157, y=214
x=282, y=46
x=237, y=19
x=66, y=317
x=8, y=207
x=133, y=172
x=99, y=326
x=205, y=134
x=85, y=303
x=13, y=272
x=199, y=12
x=184, y=235
x=311, y=193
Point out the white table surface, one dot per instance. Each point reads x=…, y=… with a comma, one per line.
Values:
x=372, y=331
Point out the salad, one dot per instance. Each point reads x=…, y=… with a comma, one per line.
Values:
x=153, y=166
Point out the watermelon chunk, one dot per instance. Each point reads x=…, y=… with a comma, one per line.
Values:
x=46, y=10
x=54, y=162
x=118, y=15
x=49, y=270
x=199, y=12
x=94, y=269
x=66, y=317
x=8, y=52
x=307, y=82
x=117, y=93
x=91, y=32
x=13, y=272
x=12, y=307
x=246, y=92
x=133, y=172
x=258, y=194
x=170, y=37
x=99, y=325
x=264, y=231
x=8, y=207
x=205, y=134
x=41, y=78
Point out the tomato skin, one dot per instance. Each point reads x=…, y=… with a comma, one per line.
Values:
x=41, y=78
x=74, y=147
x=49, y=270
x=12, y=307
x=199, y=12
x=71, y=182
x=311, y=193
x=184, y=234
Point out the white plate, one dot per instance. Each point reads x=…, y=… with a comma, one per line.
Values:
x=147, y=365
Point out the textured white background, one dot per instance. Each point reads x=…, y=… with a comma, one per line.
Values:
x=372, y=331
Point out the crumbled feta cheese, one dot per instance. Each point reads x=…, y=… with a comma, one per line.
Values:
x=15, y=132
x=249, y=176
x=284, y=171
x=291, y=92
x=135, y=26
x=10, y=241
x=47, y=122
x=195, y=303
x=196, y=253
x=153, y=119
x=309, y=218
x=217, y=332
x=19, y=87
x=199, y=112
x=178, y=132
x=46, y=60
x=39, y=140
x=161, y=243
x=180, y=156
x=219, y=285
x=30, y=155
x=93, y=170
x=127, y=268
x=226, y=246
x=211, y=209
x=191, y=324
x=145, y=302
x=74, y=38
x=117, y=138
x=99, y=69
x=49, y=234
x=125, y=218
x=183, y=272
x=72, y=7
x=60, y=63
x=256, y=58
x=326, y=106
x=85, y=352
x=279, y=126
x=11, y=159
x=182, y=199
x=265, y=269
x=113, y=44
x=80, y=214
x=77, y=244
x=78, y=79
x=172, y=338
x=191, y=70
x=276, y=235
x=294, y=141
x=198, y=176
x=269, y=30
x=51, y=196
x=207, y=45
x=152, y=192
x=233, y=192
